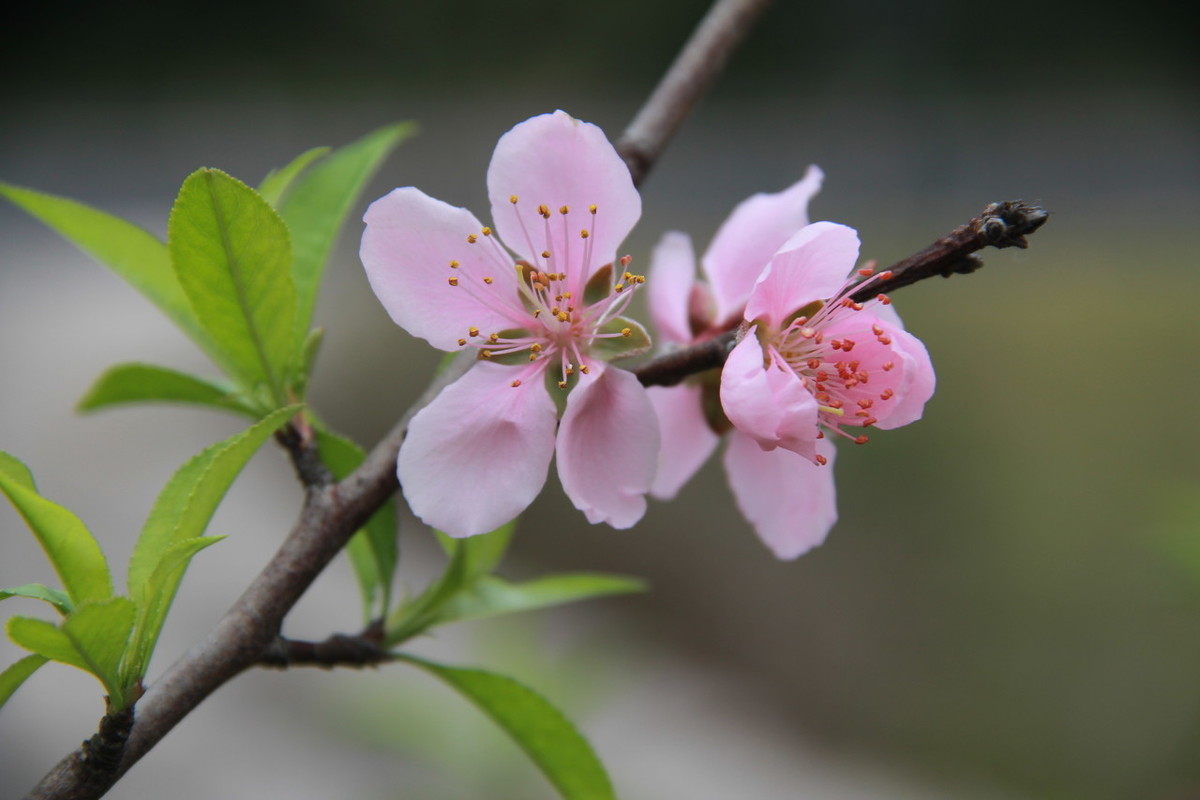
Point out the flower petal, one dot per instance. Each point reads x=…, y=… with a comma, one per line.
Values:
x=608, y=446
x=919, y=379
x=560, y=162
x=766, y=402
x=812, y=265
x=407, y=248
x=755, y=230
x=669, y=287
x=687, y=440
x=477, y=455
x=790, y=501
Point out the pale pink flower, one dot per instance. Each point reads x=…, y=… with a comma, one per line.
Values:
x=810, y=359
x=544, y=321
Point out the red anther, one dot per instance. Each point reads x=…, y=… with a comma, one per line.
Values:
x=851, y=383
x=854, y=365
x=878, y=331
x=862, y=439
x=862, y=414
x=820, y=434
x=822, y=460
x=836, y=404
x=836, y=344
x=869, y=421
x=516, y=383
x=847, y=345
x=822, y=376
x=884, y=299
x=862, y=377
x=857, y=306
x=886, y=394
x=866, y=402
x=814, y=363
x=820, y=337
x=885, y=276
x=866, y=272
x=884, y=339
x=888, y=366
x=822, y=397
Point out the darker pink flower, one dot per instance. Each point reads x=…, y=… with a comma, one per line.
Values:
x=545, y=319
x=810, y=359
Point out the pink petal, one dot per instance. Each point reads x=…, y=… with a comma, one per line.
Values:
x=669, y=287
x=608, y=446
x=755, y=230
x=895, y=396
x=407, y=248
x=559, y=161
x=790, y=501
x=687, y=440
x=768, y=403
x=812, y=265
x=477, y=455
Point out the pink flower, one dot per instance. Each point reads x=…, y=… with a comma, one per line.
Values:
x=545, y=322
x=810, y=359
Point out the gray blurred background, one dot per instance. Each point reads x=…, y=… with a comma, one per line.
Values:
x=1010, y=605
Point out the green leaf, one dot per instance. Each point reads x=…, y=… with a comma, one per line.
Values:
x=12, y=678
x=179, y=517
x=149, y=383
x=541, y=730
x=232, y=256
x=69, y=545
x=372, y=550
x=134, y=254
x=481, y=554
x=492, y=596
x=319, y=202
x=278, y=181
x=37, y=591
x=470, y=558
x=93, y=639
x=308, y=358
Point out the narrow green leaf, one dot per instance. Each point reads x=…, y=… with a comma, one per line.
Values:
x=481, y=554
x=491, y=596
x=541, y=730
x=277, y=182
x=319, y=202
x=37, y=591
x=134, y=254
x=11, y=466
x=372, y=550
x=93, y=639
x=232, y=255
x=149, y=383
x=12, y=678
x=180, y=514
x=69, y=545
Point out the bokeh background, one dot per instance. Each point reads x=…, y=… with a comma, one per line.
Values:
x=1010, y=604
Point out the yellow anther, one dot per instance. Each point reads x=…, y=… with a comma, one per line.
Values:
x=485, y=353
x=563, y=316
x=486, y=231
x=564, y=210
x=517, y=382
x=533, y=356
x=618, y=287
x=628, y=276
x=513, y=199
x=545, y=254
x=544, y=211
x=562, y=384
x=626, y=332
x=461, y=342
x=537, y=312
x=570, y=370
x=453, y=265
x=493, y=337
x=473, y=331
x=640, y=279
x=535, y=347
x=453, y=281
x=583, y=234
x=585, y=369
x=471, y=238
x=488, y=281
x=592, y=208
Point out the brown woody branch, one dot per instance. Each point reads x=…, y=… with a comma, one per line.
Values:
x=999, y=225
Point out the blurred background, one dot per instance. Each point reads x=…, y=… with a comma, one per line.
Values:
x=1010, y=604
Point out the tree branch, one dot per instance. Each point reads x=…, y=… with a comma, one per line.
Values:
x=999, y=225
x=687, y=80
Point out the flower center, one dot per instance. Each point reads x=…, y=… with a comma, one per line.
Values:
x=556, y=312
x=846, y=382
